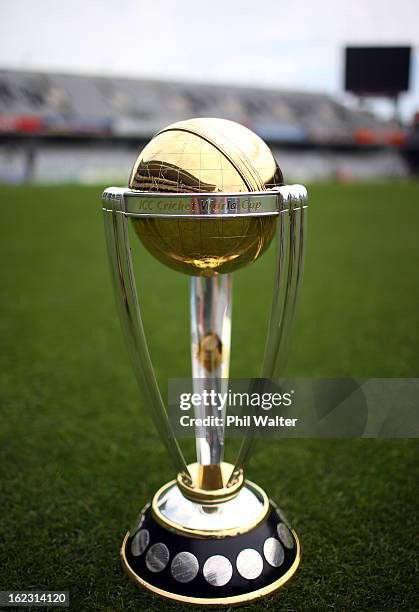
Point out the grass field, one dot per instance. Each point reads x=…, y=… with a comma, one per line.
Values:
x=79, y=455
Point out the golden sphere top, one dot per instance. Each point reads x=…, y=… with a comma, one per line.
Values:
x=205, y=155
x=201, y=156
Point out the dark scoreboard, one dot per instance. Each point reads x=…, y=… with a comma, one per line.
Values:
x=375, y=71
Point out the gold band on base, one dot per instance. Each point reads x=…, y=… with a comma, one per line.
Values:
x=210, y=483
x=235, y=600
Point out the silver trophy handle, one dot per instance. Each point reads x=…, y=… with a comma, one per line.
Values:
x=288, y=273
x=119, y=252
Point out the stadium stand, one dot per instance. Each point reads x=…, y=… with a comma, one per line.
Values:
x=64, y=127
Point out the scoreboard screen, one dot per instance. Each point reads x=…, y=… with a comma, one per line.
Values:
x=377, y=70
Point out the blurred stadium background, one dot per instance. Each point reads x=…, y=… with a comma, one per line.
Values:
x=79, y=454
x=89, y=129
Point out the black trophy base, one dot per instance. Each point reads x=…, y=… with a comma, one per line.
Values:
x=231, y=570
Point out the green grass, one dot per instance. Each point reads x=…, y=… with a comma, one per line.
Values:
x=79, y=455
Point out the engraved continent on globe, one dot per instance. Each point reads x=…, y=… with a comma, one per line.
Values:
x=205, y=156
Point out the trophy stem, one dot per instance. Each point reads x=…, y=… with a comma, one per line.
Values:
x=210, y=334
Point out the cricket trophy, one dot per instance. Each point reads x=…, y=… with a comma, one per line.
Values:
x=206, y=197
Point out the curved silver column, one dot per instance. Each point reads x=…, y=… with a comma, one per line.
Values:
x=126, y=296
x=288, y=273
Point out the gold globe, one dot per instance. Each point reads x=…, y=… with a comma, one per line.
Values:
x=202, y=156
